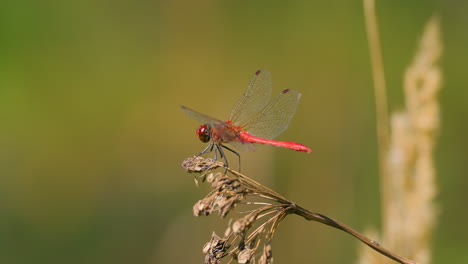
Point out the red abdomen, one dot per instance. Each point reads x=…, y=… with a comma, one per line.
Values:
x=246, y=137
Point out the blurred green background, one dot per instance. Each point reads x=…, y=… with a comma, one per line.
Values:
x=92, y=138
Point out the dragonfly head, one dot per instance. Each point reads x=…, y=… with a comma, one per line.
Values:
x=204, y=133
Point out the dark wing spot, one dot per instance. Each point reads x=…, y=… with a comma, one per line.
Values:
x=285, y=91
x=258, y=72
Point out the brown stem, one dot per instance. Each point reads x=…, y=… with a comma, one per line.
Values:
x=333, y=223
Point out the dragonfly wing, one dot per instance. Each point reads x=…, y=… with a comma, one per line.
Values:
x=204, y=119
x=255, y=97
x=242, y=146
x=274, y=118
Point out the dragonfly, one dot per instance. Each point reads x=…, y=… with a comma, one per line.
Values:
x=255, y=119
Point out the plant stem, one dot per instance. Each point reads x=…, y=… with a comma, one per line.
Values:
x=333, y=223
x=380, y=101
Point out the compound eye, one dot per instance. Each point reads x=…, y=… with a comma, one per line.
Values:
x=203, y=133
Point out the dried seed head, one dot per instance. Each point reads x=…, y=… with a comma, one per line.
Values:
x=228, y=231
x=245, y=255
x=215, y=249
x=199, y=164
x=206, y=247
x=244, y=223
x=203, y=207
x=210, y=177
x=226, y=204
x=267, y=255
x=226, y=183
x=228, y=192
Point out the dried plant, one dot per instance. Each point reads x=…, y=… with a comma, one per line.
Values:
x=248, y=239
x=407, y=162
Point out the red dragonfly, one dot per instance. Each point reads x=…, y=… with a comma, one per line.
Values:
x=254, y=119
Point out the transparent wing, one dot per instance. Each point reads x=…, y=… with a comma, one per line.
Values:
x=254, y=99
x=204, y=119
x=242, y=146
x=274, y=118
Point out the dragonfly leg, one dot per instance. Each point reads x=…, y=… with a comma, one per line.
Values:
x=223, y=156
x=233, y=151
x=213, y=147
x=208, y=149
x=216, y=148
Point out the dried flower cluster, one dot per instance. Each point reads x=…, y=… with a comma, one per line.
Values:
x=411, y=214
x=248, y=238
x=227, y=192
x=245, y=235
